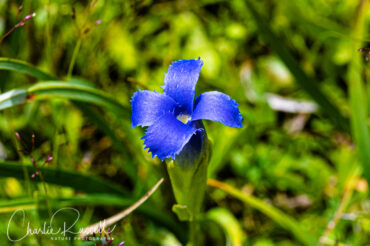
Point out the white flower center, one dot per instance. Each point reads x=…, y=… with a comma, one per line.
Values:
x=184, y=118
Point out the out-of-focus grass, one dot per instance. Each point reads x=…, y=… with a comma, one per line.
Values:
x=300, y=168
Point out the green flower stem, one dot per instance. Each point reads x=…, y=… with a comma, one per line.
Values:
x=189, y=182
x=194, y=232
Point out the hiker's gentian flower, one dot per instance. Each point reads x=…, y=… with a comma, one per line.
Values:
x=172, y=118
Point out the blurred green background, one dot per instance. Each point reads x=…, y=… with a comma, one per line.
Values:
x=299, y=167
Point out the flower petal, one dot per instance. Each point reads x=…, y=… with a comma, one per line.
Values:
x=191, y=152
x=217, y=106
x=149, y=106
x=167, y=136
x=180, y=82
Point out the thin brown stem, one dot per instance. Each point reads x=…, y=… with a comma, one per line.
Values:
x=117, y=217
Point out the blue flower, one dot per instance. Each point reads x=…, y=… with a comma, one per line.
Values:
x=173, y=118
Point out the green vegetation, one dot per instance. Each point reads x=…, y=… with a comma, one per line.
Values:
x=297, y=173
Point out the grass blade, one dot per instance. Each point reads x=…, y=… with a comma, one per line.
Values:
x=235, y=236
x=24, y=67
x=12, y=98
x=77, y=181
x=78, y=93
x=59, y=89
x=357, y=98
x=275, y=214
x=55, y=88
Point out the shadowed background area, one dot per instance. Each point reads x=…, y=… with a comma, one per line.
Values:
x=297, y=173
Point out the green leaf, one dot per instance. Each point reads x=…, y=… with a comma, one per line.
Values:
x=59, y=89
x=73, y=91
x=23, y=67
x=275, y=214
x=77, y=181
x=182, y=212
x=307, y=83
x=12, y=98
